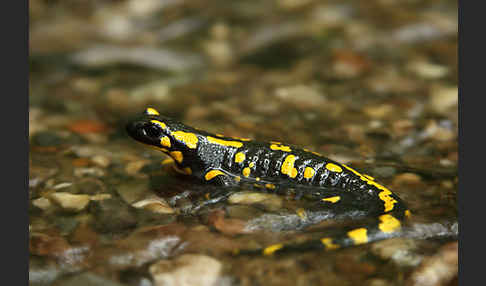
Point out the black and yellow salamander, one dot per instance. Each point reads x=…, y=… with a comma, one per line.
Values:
x=228, y=161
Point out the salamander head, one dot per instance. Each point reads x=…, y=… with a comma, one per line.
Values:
x=161, y=132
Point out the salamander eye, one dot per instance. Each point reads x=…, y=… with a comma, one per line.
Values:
x=152, y=131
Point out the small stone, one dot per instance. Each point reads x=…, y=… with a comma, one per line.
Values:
x=438, y=269
x=93, y=171
x=133, y=191
x=70, y=202
x=86, y=279
x=228, y=226
x=379, y=111
x=427, y=70
x=443, y=98
x=101, y=161
x=302, y=96
x=100, y=197
x=154, y=204
x=186, y=270
x=42, y=203
x=407, y=179
x=248, y=198
x=113, y=215
x=400, y=250
x=132, y=168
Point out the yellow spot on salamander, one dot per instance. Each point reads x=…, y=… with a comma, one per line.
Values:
x=288, y=166
x=237, y=178
x=280, y=147
x=359, y=235
x=251, y=165
x=309, y=172
x=225, y=142
x=211, y=174
x=207, y=196
x=167, y=161
x=388, y=223
x=151, y=111
x=257, y=179
x=246, y=171
x=387, y=200
x=333, y=200
x=384, y=195
x=327, y=241
x=161, y=124
x=301, y=213
x=334, y=168
x=408, y=214
x=240, y=157
x=177, y=155
x=190, y=139
x=270, y=186
x=165, y=141
x=272, y=248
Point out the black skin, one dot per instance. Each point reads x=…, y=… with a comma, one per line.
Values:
x=265, y=164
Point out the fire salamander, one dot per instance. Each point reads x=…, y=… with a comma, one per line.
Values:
x=228, y=161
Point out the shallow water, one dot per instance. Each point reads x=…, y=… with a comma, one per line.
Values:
x=372, y=85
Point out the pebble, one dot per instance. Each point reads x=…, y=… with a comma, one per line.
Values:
x=101, y=161
x=186, y=270
x=270, y=201
x=228, y=226
x=400, y=250
x=154, y=204
x=438, y=269
x=443, y=98
x=409, y=179
x=70, y=202
x=133, y=190
x=427, y=70
x=133, y=168
x=42, y=203
x=113, y=215
x=86, y=279
x=302, y=96
x=88, y=171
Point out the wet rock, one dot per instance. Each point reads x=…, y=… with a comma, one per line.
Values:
x=133, y=168
x=443, y=98
x=438, y=269
x=186, y=270
x=243, y=212
x=301, y=96
x=42, y=203
x=400, y=250
x=70, y=202
x=113, y=215
x=154, y=204
x=86, y=279
x=156, y=58
x=427, y=70
x=42, y=273
x=46, y=138
x=89, y=171
x=348, y=64
x=102, y=161
x=227, y=225
x=133, y=190
x=270, y=201
x=144, y=245
x=100, y=197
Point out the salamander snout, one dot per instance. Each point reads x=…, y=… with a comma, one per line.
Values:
x=145, y=132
